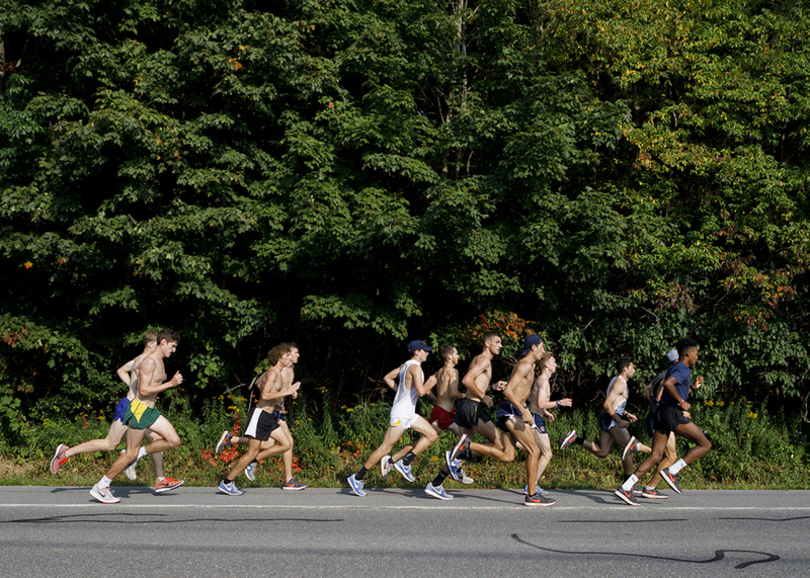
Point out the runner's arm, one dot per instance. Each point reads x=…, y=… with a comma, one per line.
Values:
x=124, y=372
x=391, y=376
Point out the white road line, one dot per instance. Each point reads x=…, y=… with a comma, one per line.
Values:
x=438, y=505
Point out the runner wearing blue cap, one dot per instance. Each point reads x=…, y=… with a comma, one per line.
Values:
x=412, y=386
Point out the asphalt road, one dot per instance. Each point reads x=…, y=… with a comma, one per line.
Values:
x=61, y=531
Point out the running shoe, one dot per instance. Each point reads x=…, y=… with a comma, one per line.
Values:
x=671, y=480
x=224, y=440
x=130, y=471
x=404, y=470
x=570, y=438
x=632, y=447
x=628, y=497
x=167, y=484
x=230, y=488
x=357, y=486
x=539, y=490
x=465, y=479
x=250, y=471
x=386, y=466
x=59, y=458
x=538, y=500
x=453, y=466
x=104, y=496
x=462, y=445
x=653, y=494
x=293, y=484
x=437, y=492
x=636, y=491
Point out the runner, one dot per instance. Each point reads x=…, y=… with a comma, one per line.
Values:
x=262, y=425
x=441, y=416
x=279, y=413
x=515, y=419
x=141, y=414
x=472, y=414
x=403, y=416
x=670, y=418
x=614, y=420
x=129, y=375
x=539, y=403
x=653, y=393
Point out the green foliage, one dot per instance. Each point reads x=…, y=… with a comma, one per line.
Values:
x=353, y=175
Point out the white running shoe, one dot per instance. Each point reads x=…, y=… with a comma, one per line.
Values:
x=104, y=496
x=386, y=466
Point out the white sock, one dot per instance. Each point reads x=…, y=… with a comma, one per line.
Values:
x=677, y=467
x=631, y=481
x=104, y=483
x=141, y=453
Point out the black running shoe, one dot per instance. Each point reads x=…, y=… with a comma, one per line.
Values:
x=628, y=497
x=671, y=480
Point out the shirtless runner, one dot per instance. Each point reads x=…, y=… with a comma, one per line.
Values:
x=539, y=403
x=142, y=414
x=262, y=425
x=280, y=415
x=129, y=375
x=516, y=420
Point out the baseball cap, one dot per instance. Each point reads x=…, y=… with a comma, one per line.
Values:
x=672, y=355
x=415, y=346
x=530, y=342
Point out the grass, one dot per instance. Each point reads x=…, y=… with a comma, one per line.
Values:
x=752, y=450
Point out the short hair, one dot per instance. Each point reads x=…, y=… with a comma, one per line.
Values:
x=623, y=362
x=489, y=336
x=446, y=350
x=148, y=337
x=167, y=334
x=280, y=351
x=544, y=359
x=685, y=345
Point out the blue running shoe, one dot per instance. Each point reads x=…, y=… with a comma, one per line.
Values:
x=230, y=488
x=356, y=486
x=404, y=470
x=437, y=492
x=453, y=465
x=539, y=490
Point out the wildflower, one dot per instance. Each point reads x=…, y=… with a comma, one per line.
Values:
x=752, y=415
x=28, y=264
x=434, y=458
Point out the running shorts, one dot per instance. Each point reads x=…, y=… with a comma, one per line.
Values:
x=121, y=410
x=469, y=412
x=667, y=418
x=260, y=424
x=140, y=416
x=444, y=417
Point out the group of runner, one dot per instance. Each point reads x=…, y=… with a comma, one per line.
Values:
x=520, y=419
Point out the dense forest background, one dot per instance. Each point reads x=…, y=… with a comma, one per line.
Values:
x=351, y=175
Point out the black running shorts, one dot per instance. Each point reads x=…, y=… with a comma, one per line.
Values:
x=667, y=418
